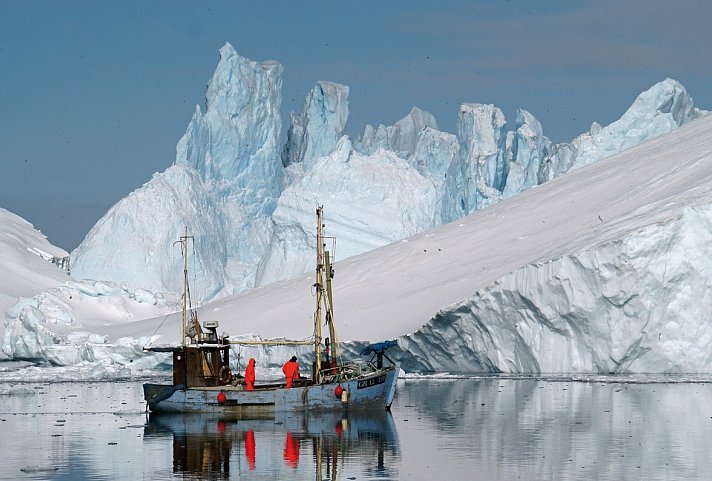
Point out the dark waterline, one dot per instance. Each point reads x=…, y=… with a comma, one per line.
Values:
x=454, y=429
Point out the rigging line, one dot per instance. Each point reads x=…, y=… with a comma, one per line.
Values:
x=187, y=285
x=163, y=321
x=190, y=299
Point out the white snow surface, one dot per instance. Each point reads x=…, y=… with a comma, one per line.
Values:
x=607, y=269
x=25, y=260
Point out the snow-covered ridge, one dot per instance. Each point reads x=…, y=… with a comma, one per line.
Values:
x=26, y=261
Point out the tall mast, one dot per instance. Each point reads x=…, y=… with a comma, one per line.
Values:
x=319, y=293
x=329, y=272
x=324, y=273
x=186, y=290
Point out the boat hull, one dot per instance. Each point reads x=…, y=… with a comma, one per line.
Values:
x=373, y=391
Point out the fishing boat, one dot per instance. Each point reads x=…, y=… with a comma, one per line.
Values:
x=203, y=380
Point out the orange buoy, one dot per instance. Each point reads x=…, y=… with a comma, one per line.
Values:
x=338, y=391
x=222, y=397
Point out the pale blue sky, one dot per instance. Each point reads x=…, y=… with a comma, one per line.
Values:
x=95, y=95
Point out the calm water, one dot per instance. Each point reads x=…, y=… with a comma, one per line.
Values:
x=455, y=429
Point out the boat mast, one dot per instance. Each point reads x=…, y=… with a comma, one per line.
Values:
x=319, y=284
x=186, y=290
x=324, y=273
x=329, y=271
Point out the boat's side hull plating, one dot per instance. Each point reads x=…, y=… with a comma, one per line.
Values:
x=374, y=391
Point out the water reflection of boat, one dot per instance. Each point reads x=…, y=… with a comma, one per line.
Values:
x=203, y=382
x=325, y=445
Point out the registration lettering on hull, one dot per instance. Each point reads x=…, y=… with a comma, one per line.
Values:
x=372, y=381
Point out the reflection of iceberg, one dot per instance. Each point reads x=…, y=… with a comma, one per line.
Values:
x=328, y=444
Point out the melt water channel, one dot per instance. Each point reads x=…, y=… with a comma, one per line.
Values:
x=466, y=428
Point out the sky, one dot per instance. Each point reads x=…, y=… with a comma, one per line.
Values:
x=95, y=95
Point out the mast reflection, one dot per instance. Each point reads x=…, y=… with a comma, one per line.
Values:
x=326, y=445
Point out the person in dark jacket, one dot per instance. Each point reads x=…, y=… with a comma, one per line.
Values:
x=291, y=371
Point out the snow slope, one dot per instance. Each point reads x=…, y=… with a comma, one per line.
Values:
x=26, y=260
x=26, y=256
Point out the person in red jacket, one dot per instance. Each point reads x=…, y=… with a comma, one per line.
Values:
x=291, y=371
x=250, y=375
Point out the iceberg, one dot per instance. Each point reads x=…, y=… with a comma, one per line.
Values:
x=603, y=270
x=223, y=187
x=137, y=252
x=435, y=155
x=442, y=240
x=635, y=304
x=401, y=138
x=478, y=179
x=662, y=108
x=526, y=150
x=315, y=132
x=361, y=219
x=247, y=199
x=58, y=326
